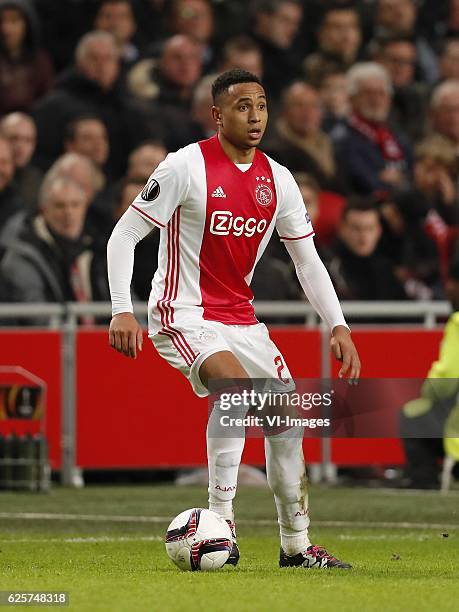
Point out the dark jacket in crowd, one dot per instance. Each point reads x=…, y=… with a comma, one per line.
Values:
x=28, y=77
x=40, y=266
x=10, y=204
x=76, y=95
x=362, y=161
x=27, y=181
x=274, y=279
x=363, y=278
x=408, y=112
x=297, y=159
x=411, y=248
x=280, y=67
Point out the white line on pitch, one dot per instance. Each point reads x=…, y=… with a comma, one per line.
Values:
x=38, y=516
x=87, y=540
x=384, y=537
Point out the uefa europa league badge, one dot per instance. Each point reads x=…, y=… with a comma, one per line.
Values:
x=151, y=190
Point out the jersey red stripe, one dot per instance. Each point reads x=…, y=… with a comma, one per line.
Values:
x=142, y=212
x=297, y=238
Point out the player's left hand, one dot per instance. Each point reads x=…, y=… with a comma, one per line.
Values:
x=344, y=350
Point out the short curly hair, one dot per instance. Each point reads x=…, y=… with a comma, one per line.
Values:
x=232, y=77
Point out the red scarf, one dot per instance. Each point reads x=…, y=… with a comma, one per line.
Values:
x=381, y=136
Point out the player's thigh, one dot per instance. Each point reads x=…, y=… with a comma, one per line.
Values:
x=258, y=354
x=221, y=369
x=190, y=345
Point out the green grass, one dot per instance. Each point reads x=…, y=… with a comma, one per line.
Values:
x=124, y=566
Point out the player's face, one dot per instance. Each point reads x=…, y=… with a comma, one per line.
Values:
x=242, y=114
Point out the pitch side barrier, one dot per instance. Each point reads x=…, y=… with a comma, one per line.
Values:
x=103, y=408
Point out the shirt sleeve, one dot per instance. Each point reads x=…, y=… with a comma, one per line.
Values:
x=129, y=231
x=315, y=282
x=165, y=189
x=292, y=222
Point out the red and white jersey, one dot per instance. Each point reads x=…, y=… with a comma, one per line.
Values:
x=215, y=220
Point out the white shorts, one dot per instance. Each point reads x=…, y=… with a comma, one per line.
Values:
x=186, y=345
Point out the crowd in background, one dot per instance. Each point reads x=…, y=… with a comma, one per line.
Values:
x=364, y=110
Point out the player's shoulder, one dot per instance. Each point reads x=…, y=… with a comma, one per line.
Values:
x=181, y=158
x=454, y=319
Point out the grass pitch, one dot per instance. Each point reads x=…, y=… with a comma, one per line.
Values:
x=104, y=546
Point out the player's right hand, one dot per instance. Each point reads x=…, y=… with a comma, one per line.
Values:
x=125, y=334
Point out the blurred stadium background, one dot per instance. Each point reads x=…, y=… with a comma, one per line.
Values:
x=364, y=110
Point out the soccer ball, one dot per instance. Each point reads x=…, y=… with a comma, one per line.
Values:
x=199, y=540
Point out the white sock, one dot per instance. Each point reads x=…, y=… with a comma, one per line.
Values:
x=224, y=457
x=287, y=478
x=224, y=509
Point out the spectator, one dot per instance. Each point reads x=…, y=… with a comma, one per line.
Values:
x=10, y=202
x=356, y=268
x=444, y=111
x=453, y=18
x=336, y=107
x=274, y=279
x=339, y=38
x=150, y=18
x=92, y=87
x=435, y=177
x=433, y=202
x=298, y=141
x=275, y=26
x=52, y=259
x=398, y=56
x=80, y=169
x=372, y=154
x=196, y=125
x=172, y=78
x=194, y=18
x=170, y=83
x=203, y=125
x=26, y=73
x=324, y=208
x=440, y=20
x=242, y=52
x=144, y=160
x=117, y=17
x=449, y=60
x=63, y=24
x=21, y=132
x=413, y=253
x=88, y=136
x=398, y=18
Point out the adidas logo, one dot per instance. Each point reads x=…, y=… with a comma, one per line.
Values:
x=219, y=193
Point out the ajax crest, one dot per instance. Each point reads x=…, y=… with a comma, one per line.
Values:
x=263, y=192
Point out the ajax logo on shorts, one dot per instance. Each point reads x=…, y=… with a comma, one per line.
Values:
x=207, y=335
x=223, y=223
